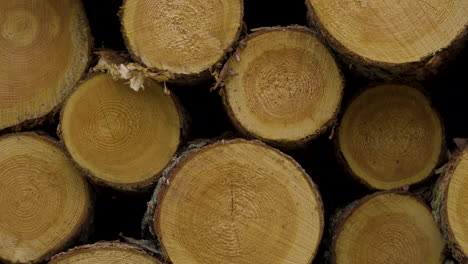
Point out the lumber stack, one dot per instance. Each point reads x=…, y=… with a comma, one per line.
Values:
x=207, y=140
x=449, y=203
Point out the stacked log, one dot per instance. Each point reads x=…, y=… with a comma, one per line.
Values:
x=390, y=137
x=185, y=38
x=387, y=227
x=282, y=86
x=45, y=49
x=118, y=137
x=45, y=202
x=300, y=109
x=236, y=201
x=105, y=252
x=389, y=39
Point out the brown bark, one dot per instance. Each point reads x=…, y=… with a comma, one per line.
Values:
x=80, y=43
x=439, y=206
x=130, y=253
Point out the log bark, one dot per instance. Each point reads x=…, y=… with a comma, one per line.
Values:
x=381, y=40
x=148, y=219
x=219, y=203
x=184, y=38
x=282, y=86
x=120, y=66
x=45, y=202
x=387, y=227
x=45, y=51
x=105, y=252
x=390, y=137
x=449, y=204
x=118, y=137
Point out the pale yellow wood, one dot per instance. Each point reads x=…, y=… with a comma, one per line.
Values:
x=390, y=136
x=43, y=198
x=457, y=203
x=105, y=253
x=393, y=31
x=118, y=135
x=44, y=50
x=239, y=202
x=389, y=228
x=181, y=36
x=284, y=85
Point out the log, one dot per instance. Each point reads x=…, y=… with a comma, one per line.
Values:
x=121, y=138
x=105, y=252
x=388, y=39
x=45, y=203
x=236, y=201
x=185, y=38
x=282, y=86
x=387, y=227
x=391, y=137
x=450, y=204
x=45, y=49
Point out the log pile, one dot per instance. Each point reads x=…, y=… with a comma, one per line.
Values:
x=188, y=136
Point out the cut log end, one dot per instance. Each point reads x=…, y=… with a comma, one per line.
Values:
x=105, y=252
x=45, y=51
x=388, y=227
x=184, y=37
x=454, y=213
x=122, y=138
x=395, y=37
x=390, y=137
x=238, y=202
x=282, y=86
x=44, y=201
